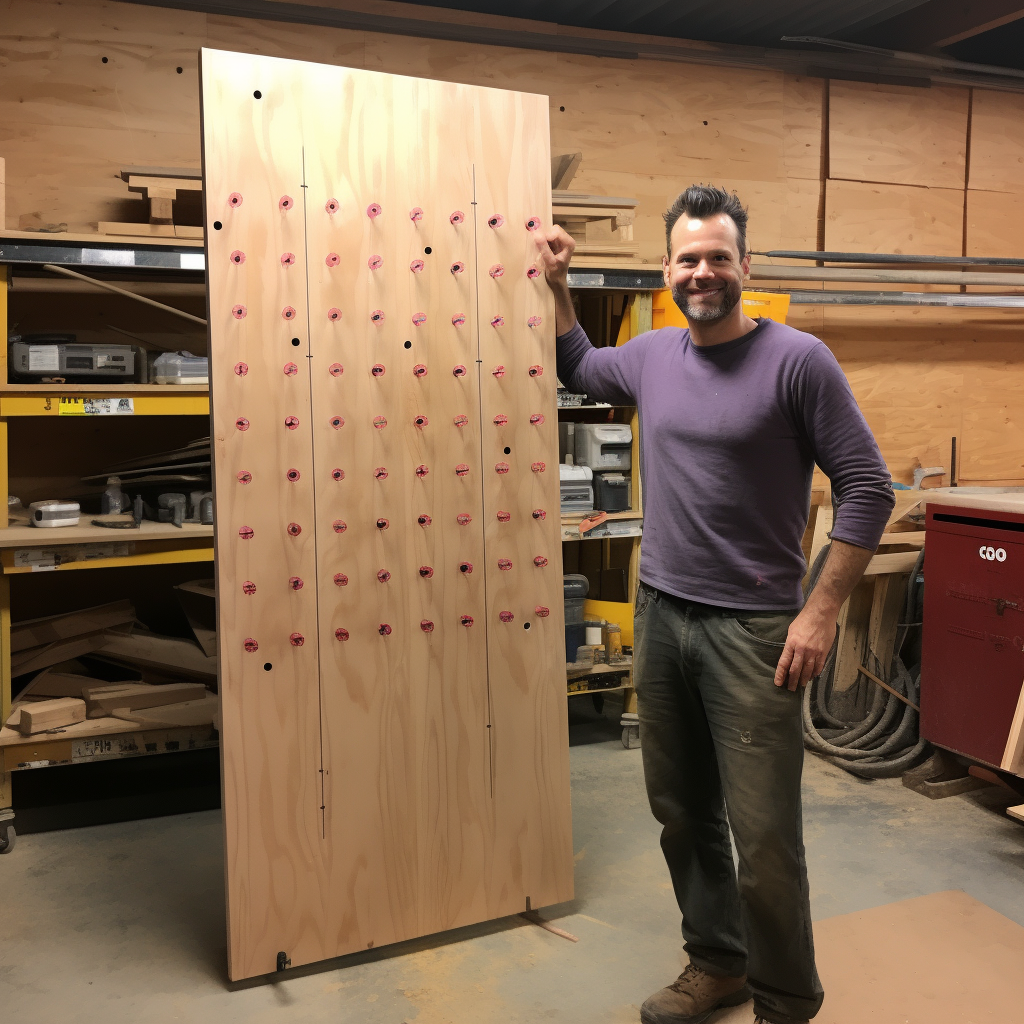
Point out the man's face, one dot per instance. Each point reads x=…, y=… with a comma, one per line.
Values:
x=705, y=271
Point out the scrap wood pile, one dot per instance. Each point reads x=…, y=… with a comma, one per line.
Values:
x=100, y=667
x=862, y=712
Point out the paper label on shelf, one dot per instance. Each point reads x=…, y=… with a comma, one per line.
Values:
x=193, y=261
x=44, y=358
x=96, y=407
x=43, y=559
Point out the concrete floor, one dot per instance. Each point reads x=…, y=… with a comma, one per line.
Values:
x=125, y=922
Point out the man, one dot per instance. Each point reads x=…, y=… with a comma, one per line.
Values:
x=734, y=413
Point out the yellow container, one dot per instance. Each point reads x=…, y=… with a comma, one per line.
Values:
x=619, y=612
x=774, y=306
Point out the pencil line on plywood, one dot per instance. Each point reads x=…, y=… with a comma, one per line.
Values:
x=483, y=494
x=313, y=463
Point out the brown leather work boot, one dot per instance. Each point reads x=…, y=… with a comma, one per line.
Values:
x=693, y=997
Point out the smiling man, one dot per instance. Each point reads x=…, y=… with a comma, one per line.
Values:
x=734, y=413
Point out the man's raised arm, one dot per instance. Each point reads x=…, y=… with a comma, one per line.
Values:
x=610, y=374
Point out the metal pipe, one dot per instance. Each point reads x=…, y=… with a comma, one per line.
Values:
x=41, y=284
x=897, y=258
x=839, y=298
x=773, y=272
x=121, y=291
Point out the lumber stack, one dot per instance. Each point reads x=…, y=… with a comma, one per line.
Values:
x=97, y=666
x=600, y=225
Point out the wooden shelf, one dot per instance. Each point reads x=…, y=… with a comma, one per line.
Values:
x=572, y=520
x=98, y=739
x=88, y=390
x=151, y=544
x=45, y=537
x=147, y=399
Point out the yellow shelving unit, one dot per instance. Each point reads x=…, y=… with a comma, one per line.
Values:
x=150, y=544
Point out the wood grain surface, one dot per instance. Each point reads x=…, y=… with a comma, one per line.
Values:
x=423, y=755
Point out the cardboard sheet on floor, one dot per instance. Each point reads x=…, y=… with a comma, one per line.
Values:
x=938, y=959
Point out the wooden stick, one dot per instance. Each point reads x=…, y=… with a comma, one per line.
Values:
x=534, y=918
x=122, y=291
x=886, y=686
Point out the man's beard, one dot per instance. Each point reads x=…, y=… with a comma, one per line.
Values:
x=708, y=314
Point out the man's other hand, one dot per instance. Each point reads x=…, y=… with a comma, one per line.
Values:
x=810, y=639
x=555, y=248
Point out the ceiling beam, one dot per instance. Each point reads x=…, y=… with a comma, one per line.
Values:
x=940, y=23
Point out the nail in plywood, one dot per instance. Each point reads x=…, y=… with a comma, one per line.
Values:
x=863, y=217
x=898, y=134
x=402, y=769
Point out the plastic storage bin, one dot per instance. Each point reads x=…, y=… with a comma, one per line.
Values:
x=181, y=368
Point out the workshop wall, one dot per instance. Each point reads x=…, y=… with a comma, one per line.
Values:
x=843, y=165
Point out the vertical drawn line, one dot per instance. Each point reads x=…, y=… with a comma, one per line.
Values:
x=483, y=494
x=312, y=460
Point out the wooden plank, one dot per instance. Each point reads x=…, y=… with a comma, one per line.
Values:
x=854, y=618
x=1013, y=754
x=865, y=217
x=436, y=762
x=35, y=632
x=896, y=561
x=103, y=699
x=50, y=714
x=898, y=134
x=887, y=608
x=997, y=144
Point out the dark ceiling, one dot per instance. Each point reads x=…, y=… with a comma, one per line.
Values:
x=982, y=31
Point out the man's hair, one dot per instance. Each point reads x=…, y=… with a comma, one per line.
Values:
x=699, y=202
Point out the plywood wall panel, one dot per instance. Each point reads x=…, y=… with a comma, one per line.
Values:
x=997, y=141
x=919, y=385
x=444, y=767
x=861, y=217
x=803, y=108
x=995, y=224
x=898, y=134
x=52, y=58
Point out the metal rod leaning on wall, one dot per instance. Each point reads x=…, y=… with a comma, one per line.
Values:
x=763, y=272
x=126, y=294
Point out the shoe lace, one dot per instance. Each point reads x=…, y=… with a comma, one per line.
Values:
x=690, y=975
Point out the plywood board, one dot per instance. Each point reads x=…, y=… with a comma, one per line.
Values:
x=945, y=957
x=997, y=142
x=898, y=134
x=863, y=217
x=431, y=787
x=995, y=224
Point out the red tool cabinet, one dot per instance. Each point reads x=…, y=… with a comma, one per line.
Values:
x=972, y=663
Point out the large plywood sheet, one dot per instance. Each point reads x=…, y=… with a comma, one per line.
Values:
x=438, y=760
x=995, y=224
x=997, y=142
x=898, y=134
x=862, y=217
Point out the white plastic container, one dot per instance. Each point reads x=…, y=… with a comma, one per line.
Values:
x=181, y=368
x=54, y=513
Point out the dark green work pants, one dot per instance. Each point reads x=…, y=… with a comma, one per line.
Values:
x=723, y=747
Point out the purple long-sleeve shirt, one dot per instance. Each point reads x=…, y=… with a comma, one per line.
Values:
x=729, y=435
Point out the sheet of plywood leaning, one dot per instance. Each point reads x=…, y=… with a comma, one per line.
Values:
x=394, y=742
